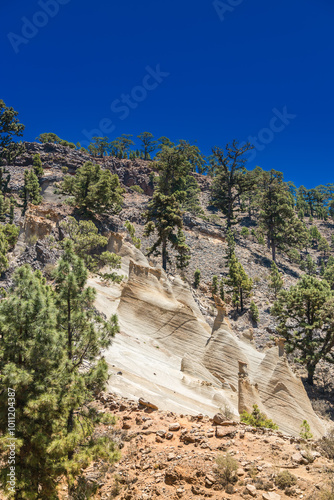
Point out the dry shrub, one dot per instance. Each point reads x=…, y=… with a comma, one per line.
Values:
x=327, y=445
x=226, y=469
x=285, y=480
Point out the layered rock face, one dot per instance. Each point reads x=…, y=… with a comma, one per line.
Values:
x=183, y=365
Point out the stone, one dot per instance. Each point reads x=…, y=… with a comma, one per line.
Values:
x=298, y=458
x=210, y=478
x=196, y=490
x=250, y=488
x=271, y=495
x=218, y=418
x=171, y=477
x=208, y=483
x=225, y=431
x=174, y=427
x=147, y=404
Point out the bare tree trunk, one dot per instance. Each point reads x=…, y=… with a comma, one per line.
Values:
x=164, y=255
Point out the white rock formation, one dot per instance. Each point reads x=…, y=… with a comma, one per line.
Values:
x=167, y=353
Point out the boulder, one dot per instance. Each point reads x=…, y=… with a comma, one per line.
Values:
x=147, y=404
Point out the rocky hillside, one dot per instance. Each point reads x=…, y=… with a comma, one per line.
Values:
x=184, y=352
x=176, y=456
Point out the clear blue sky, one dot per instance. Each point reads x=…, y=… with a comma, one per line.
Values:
x=220, y=74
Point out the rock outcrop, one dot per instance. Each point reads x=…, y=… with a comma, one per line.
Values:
x=217, y=368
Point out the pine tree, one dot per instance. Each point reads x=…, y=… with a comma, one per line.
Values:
x=193, y=156
x=99, y=146
x=2, y=207
x=324, y=247
x=37, y=166
x=149, y=144
x=31, y=189
x=163, y=217
x=4, y=180
x=278, y=220
x=11, y=210
x=328, y=275
x=175, y=177
x=3, y=252
x=131, y=230
x=174, y=170
x=315, y=236
x=230, y=181
x=10, y=127
x=222, y=289
x=214, y=285
x=86, y=241
x=254, y=312
x=30, y=357
x=94, y=190
x=183, y=251
x=164, y=212
x=239, y=281
x=304, y=315
x=191, y=202
x=275, y=280
x=309, y=266
x=47, y=337
x=121, y=145
x=86, y=334
x=11, y=233
x=197, y=278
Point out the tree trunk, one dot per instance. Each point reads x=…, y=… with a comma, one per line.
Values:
x=310, y=374
x=241, y=300
x=229, y=207
x=70, y=419
x=273, y=248
x=164, y=255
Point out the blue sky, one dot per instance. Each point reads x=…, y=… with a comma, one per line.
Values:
x=197, y=70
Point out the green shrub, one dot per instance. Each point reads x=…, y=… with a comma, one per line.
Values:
x=226, y=469
x=294, y=256
x=245, y=232
x=305, y=430
x=137, y=188
x=285, y=480
x=132, y=231
x=112, y=277
x=259, y=237
x=214, y=286
x=197, y=278
x=257, y=419
x=254, y=312
x=221, y=289
x=11, y=233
